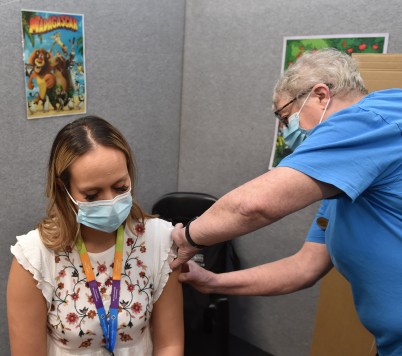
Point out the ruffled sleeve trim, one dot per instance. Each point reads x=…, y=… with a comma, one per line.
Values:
x=165, y=252
x=168, y=256
x=33, y=256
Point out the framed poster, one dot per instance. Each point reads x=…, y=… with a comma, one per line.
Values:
x=54, y=63
x=293, y=48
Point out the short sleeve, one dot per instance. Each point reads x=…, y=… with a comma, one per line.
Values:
x=163, y=251
x=33, y=256
x=353, y=149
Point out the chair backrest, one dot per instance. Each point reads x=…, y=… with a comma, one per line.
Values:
x=206, y=316
x=181, y=207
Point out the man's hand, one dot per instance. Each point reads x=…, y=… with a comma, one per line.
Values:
x=185, y=250
x=199, y=278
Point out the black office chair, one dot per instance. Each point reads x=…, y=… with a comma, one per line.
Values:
x=206, y=317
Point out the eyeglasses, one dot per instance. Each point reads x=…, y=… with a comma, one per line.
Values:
x=279, y=117
x=285, y=121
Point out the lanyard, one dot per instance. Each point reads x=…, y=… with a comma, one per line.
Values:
x=109, y=329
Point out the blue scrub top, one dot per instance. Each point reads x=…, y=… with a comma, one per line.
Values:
x=359, y=150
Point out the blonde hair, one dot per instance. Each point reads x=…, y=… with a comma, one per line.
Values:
x=329, y=66
x=59, y=228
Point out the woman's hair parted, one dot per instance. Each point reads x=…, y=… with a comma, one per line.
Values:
x=59, y=229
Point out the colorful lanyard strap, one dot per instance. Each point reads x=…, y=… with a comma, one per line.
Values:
x=109, y=329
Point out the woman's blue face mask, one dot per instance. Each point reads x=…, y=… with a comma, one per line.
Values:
x=104, y=215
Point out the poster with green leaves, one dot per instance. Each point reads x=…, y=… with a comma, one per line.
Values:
x=294, y=47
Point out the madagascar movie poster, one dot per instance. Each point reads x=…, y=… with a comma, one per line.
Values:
x=53, y=45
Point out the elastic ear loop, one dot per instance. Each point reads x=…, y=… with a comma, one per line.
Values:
x=72, y=199
x=304, y=102
x=325, y=110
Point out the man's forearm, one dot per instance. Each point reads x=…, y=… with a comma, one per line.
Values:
x=270, y=279
x=287, y=275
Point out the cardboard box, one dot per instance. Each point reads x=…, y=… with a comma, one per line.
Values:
x=380, y=71
x=338, y=330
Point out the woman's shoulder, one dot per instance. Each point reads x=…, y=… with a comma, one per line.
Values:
x=35, y=257
x=30, y=247
x=158, y=229
x=157, y=223
x=160, y=250
x=154, y=231
x=32, y=241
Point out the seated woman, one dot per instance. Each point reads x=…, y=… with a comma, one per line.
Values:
x=94, y=277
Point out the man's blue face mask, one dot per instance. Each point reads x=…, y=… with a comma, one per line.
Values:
x=293, y=134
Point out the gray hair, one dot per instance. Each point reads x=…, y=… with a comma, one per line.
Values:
x=329, y=66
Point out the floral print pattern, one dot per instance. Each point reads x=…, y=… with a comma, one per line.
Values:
x=73, y=320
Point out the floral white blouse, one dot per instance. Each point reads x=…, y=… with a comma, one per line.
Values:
x=73, y=324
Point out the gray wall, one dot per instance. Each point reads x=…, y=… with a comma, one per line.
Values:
x=134, y=53
x=232, y=60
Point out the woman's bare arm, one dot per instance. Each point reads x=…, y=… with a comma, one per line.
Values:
x=27, y=313
x=167, y=319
